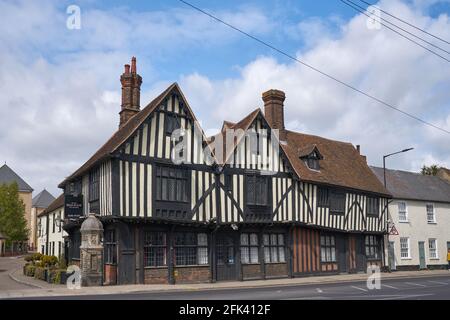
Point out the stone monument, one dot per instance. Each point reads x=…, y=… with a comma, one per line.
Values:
x=91, y=251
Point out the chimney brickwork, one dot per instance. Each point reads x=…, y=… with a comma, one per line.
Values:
x=274, y=110
x=131, y=92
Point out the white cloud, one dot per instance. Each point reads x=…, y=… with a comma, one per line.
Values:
x=376, y=61
x=59, y=88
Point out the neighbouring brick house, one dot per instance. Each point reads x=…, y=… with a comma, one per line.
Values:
x=267, y=203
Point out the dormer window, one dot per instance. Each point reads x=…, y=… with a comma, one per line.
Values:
x=311, y=156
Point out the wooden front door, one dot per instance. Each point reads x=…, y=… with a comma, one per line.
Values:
x=341, y=246
x=423, y=264
x=226, y=262
x=361, y=261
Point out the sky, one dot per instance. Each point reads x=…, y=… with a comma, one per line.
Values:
x=60, y=88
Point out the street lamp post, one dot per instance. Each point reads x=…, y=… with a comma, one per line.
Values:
x=384, y=178
x=384, y=161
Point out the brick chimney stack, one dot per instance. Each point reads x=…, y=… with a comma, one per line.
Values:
x=131, y=92
x=274, y=110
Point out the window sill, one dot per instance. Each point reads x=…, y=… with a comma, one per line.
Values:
x=153, y=268
x=281, y=262
x=192, y=266
x=405, y=221
x=409, y=258
x=432, y=222
x=434, y=259
x=373, y=215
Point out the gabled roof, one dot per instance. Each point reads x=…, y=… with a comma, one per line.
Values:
x=240, y=128
x=414, y=186
x=56, y=204
x=7, y=175
x=342, y=165
x=43, y=199
x=308, y=150
x=125, y=132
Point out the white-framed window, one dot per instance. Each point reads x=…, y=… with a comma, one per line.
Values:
x=402, y=212
x=404, y=248
x=432, y=248
x=431, y=217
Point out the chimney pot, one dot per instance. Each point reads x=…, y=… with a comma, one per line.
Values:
x=133, y=65
x=274, y=110
x=131, y=91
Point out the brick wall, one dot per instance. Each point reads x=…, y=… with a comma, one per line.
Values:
x=197, y=274
x=110, y=274
x=276, y=270
x=156, y=276
x=251, y=271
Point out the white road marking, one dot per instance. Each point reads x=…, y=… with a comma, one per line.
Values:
x=354, y=287
x=415, y=284
x=406, y=296
x=438, y=282
x=392, y=287
x=319, y=290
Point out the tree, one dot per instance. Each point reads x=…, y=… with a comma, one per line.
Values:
x=430, y=170
x=12, y=213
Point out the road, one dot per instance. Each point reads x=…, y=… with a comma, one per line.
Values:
x=8, y=264
x=420, y=288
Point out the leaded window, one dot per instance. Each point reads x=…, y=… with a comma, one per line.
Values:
x=172, y=184
x=373, y=247
x=373, y=205
x=155, y=247
x=327, y=248
x=249, y=248
x=110, y=244
x=191, y=248
x=257, y=190
x=94, y=186
x=337, y=202
x=274, y=248
x=172, y=123
x=322, y=197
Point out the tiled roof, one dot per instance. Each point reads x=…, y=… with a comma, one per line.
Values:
x=122, y=134
x=7, y=175
x=414, y=186
x=56, y=204
x=43, y=199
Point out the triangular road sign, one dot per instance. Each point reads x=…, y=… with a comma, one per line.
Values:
x=393, y=231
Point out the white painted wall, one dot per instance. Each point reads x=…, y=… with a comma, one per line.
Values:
x=418, y=229
x=41, y=233
x=55, y=234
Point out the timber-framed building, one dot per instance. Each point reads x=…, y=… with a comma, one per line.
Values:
x=179, y=207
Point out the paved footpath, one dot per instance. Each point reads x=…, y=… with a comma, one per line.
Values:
x=30, y=287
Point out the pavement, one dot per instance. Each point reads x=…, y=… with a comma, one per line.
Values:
x=16, y=285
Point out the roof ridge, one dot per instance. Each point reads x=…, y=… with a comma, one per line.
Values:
x=320, y=137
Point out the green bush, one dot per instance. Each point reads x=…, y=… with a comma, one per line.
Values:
x=30, y=270
x=36, y=256
x=56, y=275
x=49, y=261
x=40, y=273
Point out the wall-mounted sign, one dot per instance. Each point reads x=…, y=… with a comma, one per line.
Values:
x=73, y=206
x=393, y=231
